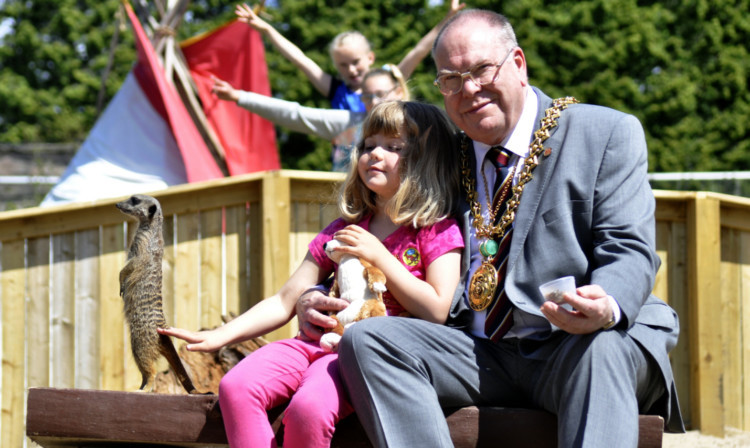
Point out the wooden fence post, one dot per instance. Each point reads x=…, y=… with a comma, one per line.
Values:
x=274, y=233
x=704, y=290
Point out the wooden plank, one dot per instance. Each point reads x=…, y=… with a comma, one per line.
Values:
x=12, y=285
x=234, y=237
x=661, y=283
x=105, y=418
x=328, y=213
x=211, y=266
x=704, y=261
x=73, y=417
x=35, y=222
x=87, y=310
x=678, y=293
x=37, y=309
x=255, y=254
x=667, y=210
x=275, y=244
x=167, y=269
x=187, y=265
x=62, y=335
x=730, y=307
x=112, y=338
x=735, y=218
x=315, y=190
x=744, y=316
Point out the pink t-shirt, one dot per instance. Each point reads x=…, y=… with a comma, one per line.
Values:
x=414, y=248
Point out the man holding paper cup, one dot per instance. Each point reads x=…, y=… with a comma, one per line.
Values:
x=573, y=199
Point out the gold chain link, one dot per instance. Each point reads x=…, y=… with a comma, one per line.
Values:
x=549, y=121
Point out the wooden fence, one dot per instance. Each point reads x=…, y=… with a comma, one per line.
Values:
x=233, y=241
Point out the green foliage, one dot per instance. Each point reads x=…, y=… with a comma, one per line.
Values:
x=680, y=66
x=51, y=65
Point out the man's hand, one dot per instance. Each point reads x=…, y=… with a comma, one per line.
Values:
x=311, y=313
x=592, y=311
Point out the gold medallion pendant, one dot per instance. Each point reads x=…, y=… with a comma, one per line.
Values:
x=482, y=286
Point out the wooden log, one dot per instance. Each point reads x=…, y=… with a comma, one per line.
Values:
x=71, y=417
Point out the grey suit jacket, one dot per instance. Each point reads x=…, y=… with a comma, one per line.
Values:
x=589, y=212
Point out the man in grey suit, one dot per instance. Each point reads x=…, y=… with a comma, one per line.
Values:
x=580, y=205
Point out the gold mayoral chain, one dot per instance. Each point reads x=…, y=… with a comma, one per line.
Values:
x=484, y=281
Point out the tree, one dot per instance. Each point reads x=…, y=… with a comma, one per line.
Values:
x=56, y=56
x=50, y=66
x=680, y=66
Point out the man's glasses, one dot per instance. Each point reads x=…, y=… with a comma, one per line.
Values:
x=450, y=83
x=368, y=98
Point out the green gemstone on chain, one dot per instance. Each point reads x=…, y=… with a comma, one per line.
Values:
x=488, y=248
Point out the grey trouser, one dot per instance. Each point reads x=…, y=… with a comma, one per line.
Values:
x=401, y=372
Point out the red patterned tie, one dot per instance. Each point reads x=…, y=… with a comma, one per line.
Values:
x=499, y=317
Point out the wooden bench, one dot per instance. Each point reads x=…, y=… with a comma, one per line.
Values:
x=76, y=417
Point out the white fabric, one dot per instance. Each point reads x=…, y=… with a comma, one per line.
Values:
x=130, y=150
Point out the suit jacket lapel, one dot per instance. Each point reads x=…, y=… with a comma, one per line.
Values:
x=534, y=189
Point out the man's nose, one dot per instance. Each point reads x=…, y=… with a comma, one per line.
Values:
x=469, y=86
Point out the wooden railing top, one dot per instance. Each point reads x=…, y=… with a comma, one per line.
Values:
x=40, y=221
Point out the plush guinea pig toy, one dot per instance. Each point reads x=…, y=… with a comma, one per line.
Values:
x=359, y=283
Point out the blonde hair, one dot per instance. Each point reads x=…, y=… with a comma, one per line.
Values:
x=348, y=38
x=394, y=73
x=428, y=166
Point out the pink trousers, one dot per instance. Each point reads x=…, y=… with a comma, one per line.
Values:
x=289, y=370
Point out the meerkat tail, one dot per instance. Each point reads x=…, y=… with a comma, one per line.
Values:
x=169, y=352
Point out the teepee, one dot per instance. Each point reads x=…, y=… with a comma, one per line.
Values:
x=164, y=127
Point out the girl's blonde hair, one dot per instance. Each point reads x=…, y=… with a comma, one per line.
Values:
x=428, y=166
x=348, y=38
x=394, y=73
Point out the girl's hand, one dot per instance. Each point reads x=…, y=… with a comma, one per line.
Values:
x=362, y=244
x=199, y=341
x=246, y=14
x=224, y=91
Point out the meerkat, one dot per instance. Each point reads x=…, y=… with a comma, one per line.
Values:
x=140, y=288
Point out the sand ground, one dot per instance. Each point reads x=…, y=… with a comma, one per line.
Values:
x=694, y=439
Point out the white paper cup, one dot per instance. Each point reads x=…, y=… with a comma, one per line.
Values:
x=554, y=290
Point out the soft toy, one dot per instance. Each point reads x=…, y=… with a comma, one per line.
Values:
x=358, y=282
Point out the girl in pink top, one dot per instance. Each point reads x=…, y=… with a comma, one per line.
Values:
x=395, y=206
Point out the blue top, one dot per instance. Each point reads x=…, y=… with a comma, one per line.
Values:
x=342, y=97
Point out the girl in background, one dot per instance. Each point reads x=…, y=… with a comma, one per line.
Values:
x=351, y=54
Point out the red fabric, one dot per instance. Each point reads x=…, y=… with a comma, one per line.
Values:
x=199, y=163
x=234, y=53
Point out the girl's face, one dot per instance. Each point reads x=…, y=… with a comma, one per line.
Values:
x=353, y=61
x=378, y=164
x=380, y=88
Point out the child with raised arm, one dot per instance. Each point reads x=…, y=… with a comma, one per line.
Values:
x=395, y=205
x=351, y=54
x=341, y=126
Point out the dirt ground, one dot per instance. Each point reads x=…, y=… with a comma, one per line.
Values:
x=694, y=439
